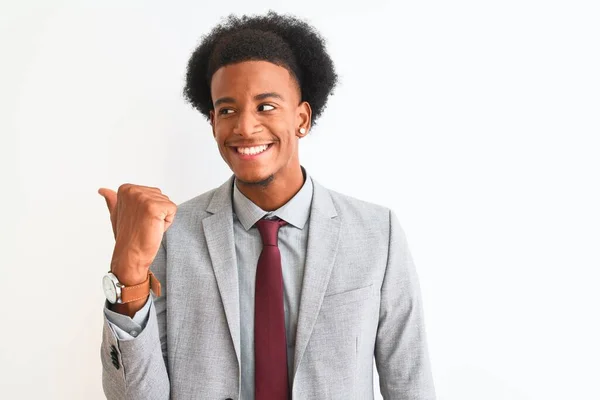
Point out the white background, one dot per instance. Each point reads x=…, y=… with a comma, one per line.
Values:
x=476, y=121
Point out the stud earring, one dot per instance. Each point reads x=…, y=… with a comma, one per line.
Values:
x=302, y=131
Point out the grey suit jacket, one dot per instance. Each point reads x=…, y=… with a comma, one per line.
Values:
x=360, y=298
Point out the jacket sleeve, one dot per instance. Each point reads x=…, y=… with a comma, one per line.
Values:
x=123, y=325
x=401, y=353
x=136, y=368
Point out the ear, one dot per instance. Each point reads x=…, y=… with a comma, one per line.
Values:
x=212, y=121
x=303, y=119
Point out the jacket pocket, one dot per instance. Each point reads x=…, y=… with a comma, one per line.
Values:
x=348, y=296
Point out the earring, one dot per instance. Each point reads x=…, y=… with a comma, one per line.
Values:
x=302, y=131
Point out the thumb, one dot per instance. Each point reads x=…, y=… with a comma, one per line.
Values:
x=111, y=198
x=111, y=202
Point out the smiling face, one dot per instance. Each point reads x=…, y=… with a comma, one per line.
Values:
x=256, y=120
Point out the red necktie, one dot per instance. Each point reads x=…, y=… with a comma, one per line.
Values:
x=270, y=346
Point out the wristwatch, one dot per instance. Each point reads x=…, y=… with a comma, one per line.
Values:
x=116, y=292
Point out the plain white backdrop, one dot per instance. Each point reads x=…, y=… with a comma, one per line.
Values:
x=477, y=122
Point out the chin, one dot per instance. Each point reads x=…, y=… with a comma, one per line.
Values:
x=255, y=179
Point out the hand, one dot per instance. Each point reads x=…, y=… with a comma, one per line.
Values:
x=140, y=215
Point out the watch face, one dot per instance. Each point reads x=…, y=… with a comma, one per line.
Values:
x=109, y=289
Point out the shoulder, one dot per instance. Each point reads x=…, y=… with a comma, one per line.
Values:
x=197, y=204
x=373, y=220
x=356, y=211
x=191, y=212
x=187, y=225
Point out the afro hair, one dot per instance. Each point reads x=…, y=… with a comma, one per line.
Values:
x=281, y=39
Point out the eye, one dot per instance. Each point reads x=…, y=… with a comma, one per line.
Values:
x=225, y=111
x=265, y=107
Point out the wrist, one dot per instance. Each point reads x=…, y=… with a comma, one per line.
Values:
x=128, y=278
x=127, y=272
x=129, y=289
x=129, y=267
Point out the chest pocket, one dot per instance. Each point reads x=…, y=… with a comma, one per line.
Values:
x=348, y=296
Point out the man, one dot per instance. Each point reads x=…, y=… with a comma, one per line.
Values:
x=270, y=286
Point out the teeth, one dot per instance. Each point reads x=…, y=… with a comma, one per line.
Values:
x=252, y=150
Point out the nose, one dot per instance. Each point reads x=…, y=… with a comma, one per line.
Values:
x=247, y=124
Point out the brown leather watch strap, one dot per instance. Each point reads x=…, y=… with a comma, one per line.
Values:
x=142, y=290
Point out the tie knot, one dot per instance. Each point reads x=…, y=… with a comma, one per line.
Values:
x=269, y=228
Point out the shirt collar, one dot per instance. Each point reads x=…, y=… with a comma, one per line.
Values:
x=295, y=212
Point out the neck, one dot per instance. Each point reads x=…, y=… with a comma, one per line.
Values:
x=277, y=192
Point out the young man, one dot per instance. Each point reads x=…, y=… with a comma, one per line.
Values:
x=270, y=286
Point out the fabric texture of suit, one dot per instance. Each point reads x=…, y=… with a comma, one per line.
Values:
x=360, y=298
x=292, y=243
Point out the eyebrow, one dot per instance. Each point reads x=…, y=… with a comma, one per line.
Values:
x=261, y=96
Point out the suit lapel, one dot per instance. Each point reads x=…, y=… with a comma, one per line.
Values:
x=218, y=230
x=323, y=239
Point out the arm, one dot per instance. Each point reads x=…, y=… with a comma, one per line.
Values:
x=142, y=361
x=401, y=353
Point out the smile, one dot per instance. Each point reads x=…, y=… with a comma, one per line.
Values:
x=248, y=153
x=252, y=150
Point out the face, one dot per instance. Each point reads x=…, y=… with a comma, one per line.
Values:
x=256, y=120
